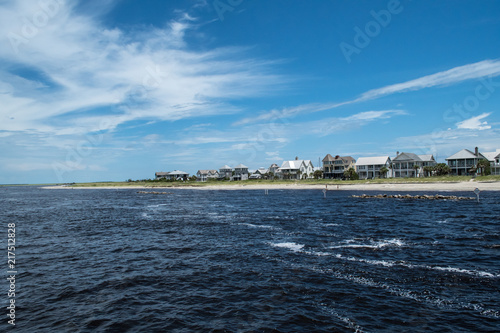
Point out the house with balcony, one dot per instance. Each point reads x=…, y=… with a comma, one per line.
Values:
x=334, y=167
x=205, y=175
x=177, y=175
x=408, y=165
x=369, y=167
x=494, y=159
x=240, y=172
x=260, y=173
x=160, y=175
x=463, y=161
x=296, y=169
x=273, y=169
x=226, y=172
x=172, y=175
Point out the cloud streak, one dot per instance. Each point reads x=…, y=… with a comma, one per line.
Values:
x=452, y=76
x=150, y=74
x=475, y=123
x=486, y=68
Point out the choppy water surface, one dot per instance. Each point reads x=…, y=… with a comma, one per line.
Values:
x=242, y=261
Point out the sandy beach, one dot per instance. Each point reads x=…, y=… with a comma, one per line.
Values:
x=434, y=187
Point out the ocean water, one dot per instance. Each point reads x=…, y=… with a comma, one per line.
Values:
x=242, y=261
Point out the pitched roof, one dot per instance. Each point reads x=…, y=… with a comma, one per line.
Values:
x=241, y=166
x=426, y=158
x=226, y=167
x=375, y=160
x=463, y=154
x=262, y=171
x=291, y=164
x=492, y=155
x=206, y=172
x=347, y=159
x=406, y=157
x=178, y=173
x=274, y=165
x=328, y=158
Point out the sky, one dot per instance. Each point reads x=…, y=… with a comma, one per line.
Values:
x=115, y=90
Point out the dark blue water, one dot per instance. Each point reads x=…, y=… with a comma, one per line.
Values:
x=242, y=261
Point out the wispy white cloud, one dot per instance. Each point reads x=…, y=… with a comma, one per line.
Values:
x=289, y=112
x=444, y=143
x=129, y=75
x=355, y=121
x=452, y=76
x=486, y=68
x=475, y=123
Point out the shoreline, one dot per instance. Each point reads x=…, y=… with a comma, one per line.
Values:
x=438, y=186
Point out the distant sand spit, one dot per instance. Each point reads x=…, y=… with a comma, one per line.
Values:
x=435, y=187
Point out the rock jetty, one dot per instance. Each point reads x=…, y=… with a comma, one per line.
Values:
x=408, y=196
x=152, y=192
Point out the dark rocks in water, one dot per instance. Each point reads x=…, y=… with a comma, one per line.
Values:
x=408, y=196
x=150, y=192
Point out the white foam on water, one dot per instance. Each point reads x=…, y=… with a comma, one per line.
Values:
x=291, y=246
x=332, y=225
x=156, y=206
x=256, y=225
x=409, y=294
x=146, y=216
x=372, y=245
x=366, y=261
x=350, y=323
x=463, y=271
x=435, y=300
x=389, y=263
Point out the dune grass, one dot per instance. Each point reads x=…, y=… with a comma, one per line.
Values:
x=442, y=179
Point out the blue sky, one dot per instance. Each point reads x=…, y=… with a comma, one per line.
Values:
x=112, y=90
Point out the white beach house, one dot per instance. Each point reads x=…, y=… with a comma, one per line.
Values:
x=411, y=165
x=240, y=172
x=204, y=175
x=494, y=158
x=296, y=169
x=226, y=172
x=463, y=161
x=369, y=167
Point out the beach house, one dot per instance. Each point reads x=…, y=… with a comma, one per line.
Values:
x=260, y=173
x=177, y=175
x=172, y=175
x=240, y=172
x=334, y=167
x=160, y=175
x=369, y=167
x=226, y=172
x=494, y=158
x=411, y=165
x=273, y=169
x=296, y=169
x=463, y=161
x=204, y=175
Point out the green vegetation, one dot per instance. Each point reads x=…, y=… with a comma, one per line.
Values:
x=383, y=172
x=351, y=174
x=435, y=179
x=484, y=167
